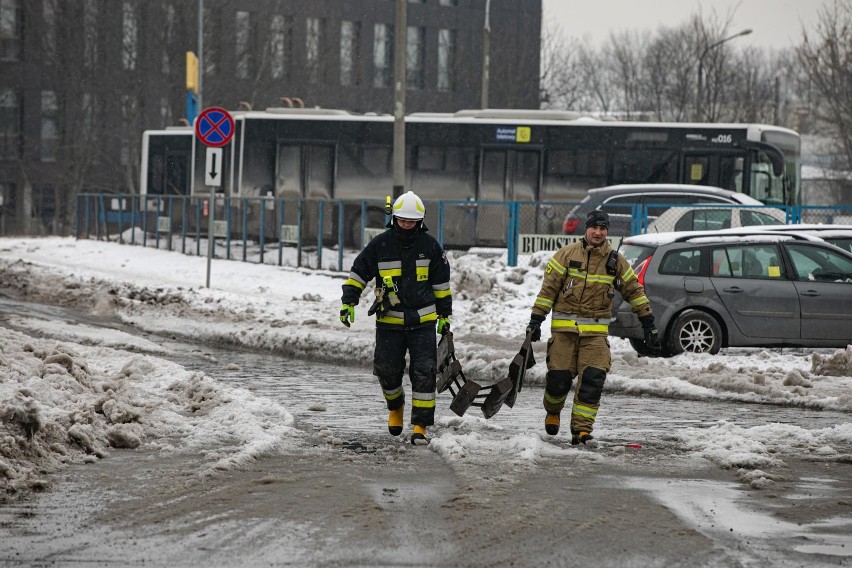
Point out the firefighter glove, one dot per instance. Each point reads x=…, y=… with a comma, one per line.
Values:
x=347, y=314
x=535, y=326
x=652, y=335
x=443, y=324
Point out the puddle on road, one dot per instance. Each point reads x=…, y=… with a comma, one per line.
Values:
x=720, y=511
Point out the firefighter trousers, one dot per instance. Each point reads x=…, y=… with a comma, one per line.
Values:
x=389, y=366
x=586, y=357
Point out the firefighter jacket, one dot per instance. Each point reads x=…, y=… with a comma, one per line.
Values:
x=578, y=287
x=412, y=280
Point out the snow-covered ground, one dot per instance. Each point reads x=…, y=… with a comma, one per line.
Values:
x=71, y=400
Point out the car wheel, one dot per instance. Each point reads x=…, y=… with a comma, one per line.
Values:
x=695, y=332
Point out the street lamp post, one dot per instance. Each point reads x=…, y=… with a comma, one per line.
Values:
x=486, y=55
x=699, y=93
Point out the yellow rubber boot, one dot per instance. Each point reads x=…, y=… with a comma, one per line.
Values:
x=551, y=424
x=418, y=435
x=395, y=421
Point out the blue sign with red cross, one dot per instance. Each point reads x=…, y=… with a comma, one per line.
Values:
x=214, y=127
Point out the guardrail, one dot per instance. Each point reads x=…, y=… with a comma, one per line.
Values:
x=329, y=233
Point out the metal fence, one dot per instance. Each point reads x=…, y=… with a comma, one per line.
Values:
x=327, y=234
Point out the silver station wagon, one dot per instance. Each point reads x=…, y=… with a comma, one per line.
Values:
x=711, y=290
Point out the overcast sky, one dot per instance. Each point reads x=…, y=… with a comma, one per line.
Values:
x=776, y=23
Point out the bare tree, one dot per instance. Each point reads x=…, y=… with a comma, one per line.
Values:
x=669, y=73
x=825, y=55
x=561, y=81
x=624, y=68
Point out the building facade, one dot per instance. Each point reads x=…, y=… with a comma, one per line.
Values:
x=80, y=80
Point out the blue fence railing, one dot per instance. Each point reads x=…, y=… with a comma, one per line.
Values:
x=328, y=233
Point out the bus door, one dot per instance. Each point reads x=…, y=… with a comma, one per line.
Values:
x=306, y=171
x=720, y=169
x=176, y=174
x=506, y=174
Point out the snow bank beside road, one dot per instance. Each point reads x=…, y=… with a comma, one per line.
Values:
x=63, y=403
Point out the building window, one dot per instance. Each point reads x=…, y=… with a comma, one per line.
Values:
x=211, y=49
x=168, y=39
x=129, y=108
x=415, y=56
x=449, y=2
x=313, y=49
x=382, y=55
x=89, y=131
x=281, y=45
x=49, y=126
x=166, y=114
x=10, y=125
x=10, y=30
x=350, y=53
x=446, y=59
x=243, y=38
x=49, y=12
x=129, y=37
x=90, y=34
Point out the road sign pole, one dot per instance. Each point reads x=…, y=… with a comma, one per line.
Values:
x=215, y=128
x=211, y=214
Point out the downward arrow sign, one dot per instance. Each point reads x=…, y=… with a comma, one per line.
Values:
x=212, y=168
x=213, y=172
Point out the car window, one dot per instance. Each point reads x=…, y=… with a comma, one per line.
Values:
x=819, y=264
x=748, y=218
x=704, y=220
x=843, y=242
x=748, y=261
x=684, y=261
x=621, y=205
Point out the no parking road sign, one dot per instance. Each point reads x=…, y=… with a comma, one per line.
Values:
x=214, y=127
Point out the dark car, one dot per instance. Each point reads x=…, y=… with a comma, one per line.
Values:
x=710, y=290
x=618, y=201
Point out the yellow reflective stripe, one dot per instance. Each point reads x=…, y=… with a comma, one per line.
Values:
x=544, y=302
x=628, y=275
x=597, y=328
x=557, y=323
x=423, y=403
x=428, y=317
x=639, y=301
x=422, y=273
x=584, y=411
x=600, y=278
x=442, y=293
x=553, y=265
x=390, y=272
x=355, y=283
x=554, y=399
x=576, y=272
x=357, y=278
x=397, y=319
x=392, y=394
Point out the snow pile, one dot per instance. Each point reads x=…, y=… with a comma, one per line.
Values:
x=838, y=365
x=63, y=403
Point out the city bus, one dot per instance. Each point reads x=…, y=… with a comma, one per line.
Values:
x=490, y=155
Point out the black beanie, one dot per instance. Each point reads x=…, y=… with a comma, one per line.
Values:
x=598, y=218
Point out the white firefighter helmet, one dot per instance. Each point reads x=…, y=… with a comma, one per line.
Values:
x=409, y=206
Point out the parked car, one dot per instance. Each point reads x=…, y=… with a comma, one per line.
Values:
x=617, y=200
x=714, y=218
x=838, y=235
x=710, y=290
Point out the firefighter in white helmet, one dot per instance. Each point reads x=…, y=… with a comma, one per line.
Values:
x=412, y=295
